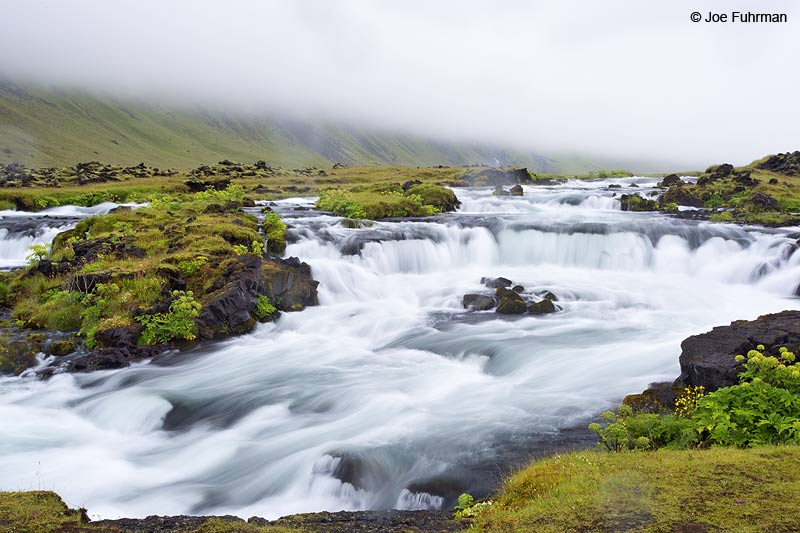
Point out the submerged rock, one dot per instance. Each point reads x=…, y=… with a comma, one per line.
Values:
x=511, y=306
x=544, y=307
x=500, y=191
x=494, y=283
x=478, y=302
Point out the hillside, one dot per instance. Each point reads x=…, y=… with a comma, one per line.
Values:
x=54, y=127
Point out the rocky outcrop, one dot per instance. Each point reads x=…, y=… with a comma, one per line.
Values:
x=287, y=283
x=787, y=164
x=708, y=359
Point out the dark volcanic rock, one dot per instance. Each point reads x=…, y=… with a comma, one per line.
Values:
x=494, y=283
x=232, y=308
x=496, y=176
x=788, y=163
x=682, y=196
x=672, y=180
x=764, y=202
x=516, y=190
x=478, y=302
x=161, y=524
x=708, y=359
x=500, y=191
x=509, y=306
x=338, y=522
x=288, y=284
x=542, y=308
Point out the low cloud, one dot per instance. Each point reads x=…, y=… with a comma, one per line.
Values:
x=632, y=80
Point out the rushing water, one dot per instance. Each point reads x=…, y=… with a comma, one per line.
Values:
x=19, y=230
x=389, y=394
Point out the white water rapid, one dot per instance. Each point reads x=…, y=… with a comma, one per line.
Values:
x=389, y=394
x=19, y=230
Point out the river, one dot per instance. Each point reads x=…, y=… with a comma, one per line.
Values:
x=389, y=394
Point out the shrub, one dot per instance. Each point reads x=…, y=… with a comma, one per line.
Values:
x=340, y=203
x=178, y=323
x=468, y=508
x=38, y=253
x=764, y=408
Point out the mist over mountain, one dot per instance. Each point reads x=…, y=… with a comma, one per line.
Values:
x=46, y=127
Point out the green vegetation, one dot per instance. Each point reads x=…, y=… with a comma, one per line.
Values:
x=178, y=323
x=721, y=489
x=264, y=309
x=388, y=201
x=275, y=230
x=147, y=271
x=767, y=191
x=666, y=479
x=764, y=408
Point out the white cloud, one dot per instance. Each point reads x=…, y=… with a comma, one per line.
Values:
x=618, y=78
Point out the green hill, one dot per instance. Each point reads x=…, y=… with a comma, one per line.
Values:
x=41, y=127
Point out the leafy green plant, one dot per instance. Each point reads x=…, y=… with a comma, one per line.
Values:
x=37, y=254
x=467, y=507
x=264, y=308
x=764, y=408
x=189, y=267
x=178, y=323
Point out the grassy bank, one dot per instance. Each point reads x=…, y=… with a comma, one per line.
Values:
x=720, y=489
x=45, y=512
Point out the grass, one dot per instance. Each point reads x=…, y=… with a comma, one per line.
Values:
x=719, y=489
x=45, y=512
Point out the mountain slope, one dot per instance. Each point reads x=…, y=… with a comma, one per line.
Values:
x=41, y=127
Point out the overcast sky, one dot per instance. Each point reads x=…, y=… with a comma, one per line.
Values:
x=629, y=78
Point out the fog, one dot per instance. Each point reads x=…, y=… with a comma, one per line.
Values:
x=615, y=78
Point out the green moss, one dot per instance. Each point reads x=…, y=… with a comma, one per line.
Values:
x=275, y=230
x=39, y=512
x=387, y=201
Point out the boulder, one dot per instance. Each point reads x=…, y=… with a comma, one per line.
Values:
x=634, y=202
x=708, y=359
x=764, y=202
x=478, y=302
x=543, y=307
x=231, y=308
x=687, y=196
x=518, y=288
x=500, y=191
x=550, y=296
x=503, y=292
x=288, y=284
x=494, y=283
x=511, y=306
x=61, y=347
x=672, y=180
x=516, y=190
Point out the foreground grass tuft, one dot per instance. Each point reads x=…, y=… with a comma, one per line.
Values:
x=720, y=489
